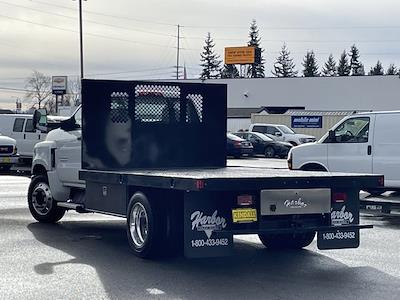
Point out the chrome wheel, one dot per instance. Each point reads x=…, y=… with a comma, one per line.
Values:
x=139, y=225
x=42, y=199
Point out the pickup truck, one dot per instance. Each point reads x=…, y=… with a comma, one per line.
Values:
x=8, y=153
x=141, y=151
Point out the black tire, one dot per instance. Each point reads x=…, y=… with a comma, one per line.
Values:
x=162, y=233
x=287, y=241
x=269, y=152
x=40, y=202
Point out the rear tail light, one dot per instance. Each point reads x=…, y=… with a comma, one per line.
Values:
x=237, y=144
x=245, y=200
x=339, y=197
x=200, y=184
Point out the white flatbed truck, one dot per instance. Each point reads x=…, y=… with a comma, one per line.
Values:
x=155, y=154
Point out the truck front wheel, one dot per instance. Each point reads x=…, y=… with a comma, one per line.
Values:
x=41, y=203
x=287, y=241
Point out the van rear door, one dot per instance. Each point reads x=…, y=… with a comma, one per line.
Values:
x=351, y=152
x=386, y=148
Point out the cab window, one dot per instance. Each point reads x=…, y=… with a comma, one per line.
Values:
x=272, y=130
x=354, y=130
x=18, y=124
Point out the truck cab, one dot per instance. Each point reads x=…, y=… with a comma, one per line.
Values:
x=59, y=156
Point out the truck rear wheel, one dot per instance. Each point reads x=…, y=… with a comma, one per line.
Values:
x=287, y=240
x=41, y=203
x=146, y=227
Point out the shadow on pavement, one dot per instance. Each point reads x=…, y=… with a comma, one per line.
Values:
x=252, y=272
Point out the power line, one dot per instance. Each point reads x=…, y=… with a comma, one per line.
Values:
x=88, y=21
x=13, y=89
x=106, y=15
x=86, y=33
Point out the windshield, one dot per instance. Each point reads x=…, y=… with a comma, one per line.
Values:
x=286, y=129
x=78, y=116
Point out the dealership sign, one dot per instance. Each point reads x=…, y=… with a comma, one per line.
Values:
x=306, y=121
x=59, y=85
x=242, y=55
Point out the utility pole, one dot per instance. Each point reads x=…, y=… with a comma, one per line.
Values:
x=177, y=55
x=81, y=36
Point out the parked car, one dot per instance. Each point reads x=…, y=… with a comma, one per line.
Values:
x=8, y=153
x=237, y=146
x=282, y=133
x=265, y=145
x=360, y=143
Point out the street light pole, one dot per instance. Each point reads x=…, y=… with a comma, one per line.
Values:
x=81, y=36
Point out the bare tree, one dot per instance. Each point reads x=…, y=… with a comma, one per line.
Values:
x=39, y=88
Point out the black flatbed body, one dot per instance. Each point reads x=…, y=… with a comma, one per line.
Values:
x=232, y=178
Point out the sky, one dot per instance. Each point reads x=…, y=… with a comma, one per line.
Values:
x=137, y=40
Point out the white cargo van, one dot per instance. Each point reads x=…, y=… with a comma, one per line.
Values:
x=361, y=143
x=19, y=127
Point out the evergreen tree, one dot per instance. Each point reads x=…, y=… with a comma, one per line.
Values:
x=255, y=70
x=343, y=68
x=361, y=70
x=284, y=65
x=310, y=65
x=330, y=67
x=392, y=70
x=377, y=70
x=209, y=60
x=355, y=65
x=229, y=71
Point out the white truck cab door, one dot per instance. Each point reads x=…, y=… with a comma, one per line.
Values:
x=68, y=155
x=352, y=149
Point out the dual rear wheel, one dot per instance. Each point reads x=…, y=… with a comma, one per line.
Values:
x=152, y=227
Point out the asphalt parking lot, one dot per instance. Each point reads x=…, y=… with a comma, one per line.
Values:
x=86, y=256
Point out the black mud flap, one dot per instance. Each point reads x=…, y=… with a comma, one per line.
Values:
x=206, y=214
x=344, y=213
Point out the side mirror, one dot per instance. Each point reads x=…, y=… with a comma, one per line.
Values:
x=39, y=120
x=332, y=136
x=278, y=133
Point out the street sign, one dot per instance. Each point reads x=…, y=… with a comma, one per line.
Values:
x=59, y=85
x=240, y=55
